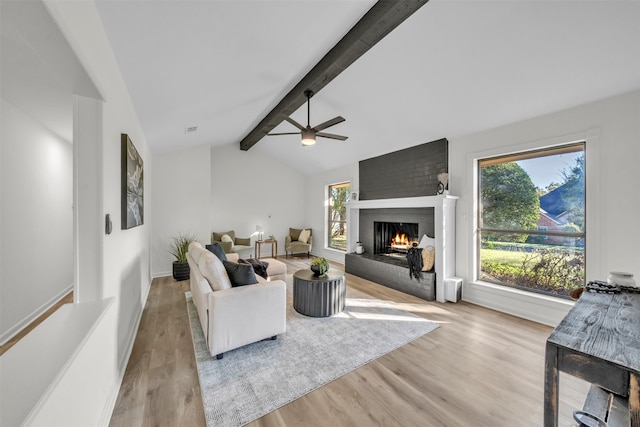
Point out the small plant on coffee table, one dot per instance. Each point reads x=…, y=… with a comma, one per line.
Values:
x=319, y=266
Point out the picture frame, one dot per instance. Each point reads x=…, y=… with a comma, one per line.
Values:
x=132, y=184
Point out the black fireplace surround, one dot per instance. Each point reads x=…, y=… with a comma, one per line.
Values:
x=412, y=172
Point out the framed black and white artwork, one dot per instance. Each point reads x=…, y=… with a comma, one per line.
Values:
x=132, y=191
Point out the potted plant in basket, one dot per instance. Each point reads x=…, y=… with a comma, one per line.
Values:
x=178, y=247
x=319, y=266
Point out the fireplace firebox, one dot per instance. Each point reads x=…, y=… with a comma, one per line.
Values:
x=394, y=238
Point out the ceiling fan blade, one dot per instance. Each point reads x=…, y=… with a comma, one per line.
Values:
x=296, y=124
x=283, y=133
x=332, y=136
x=328, y=123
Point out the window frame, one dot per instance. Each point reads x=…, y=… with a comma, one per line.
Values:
x=329, y=222
x=521, y=153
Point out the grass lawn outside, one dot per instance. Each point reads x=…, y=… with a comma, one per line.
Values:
x=551, y=271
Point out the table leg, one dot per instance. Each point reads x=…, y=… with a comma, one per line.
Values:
x=551, y=386
x=634, y=399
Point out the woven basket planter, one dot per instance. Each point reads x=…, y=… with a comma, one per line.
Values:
x=181, y=271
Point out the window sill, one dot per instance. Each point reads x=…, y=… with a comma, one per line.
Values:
x=542, y=297
x=539, y=308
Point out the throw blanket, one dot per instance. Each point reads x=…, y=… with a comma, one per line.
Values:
x=414, y=258
x=259, y=267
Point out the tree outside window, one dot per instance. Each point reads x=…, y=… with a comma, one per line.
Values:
x=531, y=227
x=339, y=195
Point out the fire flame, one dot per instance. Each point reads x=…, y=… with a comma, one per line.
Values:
x=400, y=239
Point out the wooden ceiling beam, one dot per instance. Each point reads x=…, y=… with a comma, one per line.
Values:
x=379, y=21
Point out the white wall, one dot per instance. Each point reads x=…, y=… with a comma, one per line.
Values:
x=36, y=219
x=317, y=202
x=222, y=188
x=612, y=130
x=181, y=185
x=124, y=255
x=249, y=189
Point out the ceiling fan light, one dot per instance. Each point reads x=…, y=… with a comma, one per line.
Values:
x=308, y=141
x=308, y=137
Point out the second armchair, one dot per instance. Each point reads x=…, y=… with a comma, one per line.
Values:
x=298, y=240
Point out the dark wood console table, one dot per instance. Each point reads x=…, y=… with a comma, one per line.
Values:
x=599, y=342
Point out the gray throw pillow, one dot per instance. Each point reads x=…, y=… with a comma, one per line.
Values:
x=217, y=250
x=240, y=274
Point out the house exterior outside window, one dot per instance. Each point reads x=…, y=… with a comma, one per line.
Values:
x=531, y=236
x=338, y=196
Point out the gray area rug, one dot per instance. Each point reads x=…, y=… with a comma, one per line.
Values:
x=256, y=379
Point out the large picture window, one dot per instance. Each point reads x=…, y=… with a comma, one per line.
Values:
x=531, y=220
x=339, y=195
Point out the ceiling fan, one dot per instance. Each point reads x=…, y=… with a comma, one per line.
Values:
x=309, y=133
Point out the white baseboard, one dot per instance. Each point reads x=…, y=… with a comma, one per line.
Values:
x=15, y=329
x=162, y=274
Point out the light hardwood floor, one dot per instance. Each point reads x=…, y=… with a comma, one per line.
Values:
x=479, y=368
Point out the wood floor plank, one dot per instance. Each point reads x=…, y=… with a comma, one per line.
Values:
x=480, y=368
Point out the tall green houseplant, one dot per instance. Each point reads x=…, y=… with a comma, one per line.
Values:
x=178, y=247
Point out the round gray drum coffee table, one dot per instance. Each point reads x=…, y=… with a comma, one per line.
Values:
x=319, y=296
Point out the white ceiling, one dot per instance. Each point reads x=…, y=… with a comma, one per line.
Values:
x=453, y=68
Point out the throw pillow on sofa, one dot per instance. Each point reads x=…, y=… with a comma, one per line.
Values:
x=213, y=270
x=218, y=251
x=240, y=274
x=259, y=267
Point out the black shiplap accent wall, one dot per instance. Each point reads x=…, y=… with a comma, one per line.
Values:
x=412, y=172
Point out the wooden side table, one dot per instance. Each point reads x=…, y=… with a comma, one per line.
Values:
x=599, y=342
x=274, y=247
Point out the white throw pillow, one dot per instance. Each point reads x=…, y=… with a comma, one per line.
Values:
x=426, y=241
x=304, y=236
x=213, y=270
x=226, y=238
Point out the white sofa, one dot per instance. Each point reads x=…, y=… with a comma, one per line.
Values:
x=232, y=317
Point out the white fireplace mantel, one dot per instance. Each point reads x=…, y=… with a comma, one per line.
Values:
x=444, y=229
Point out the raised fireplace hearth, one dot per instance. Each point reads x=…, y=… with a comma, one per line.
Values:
x=434, y=216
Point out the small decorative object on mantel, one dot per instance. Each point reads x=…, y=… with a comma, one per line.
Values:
x=443, y=182
x=359, y=248
x=179, y=247
x=319, y=266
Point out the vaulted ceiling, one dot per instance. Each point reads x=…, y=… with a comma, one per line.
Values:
x=451, y=69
